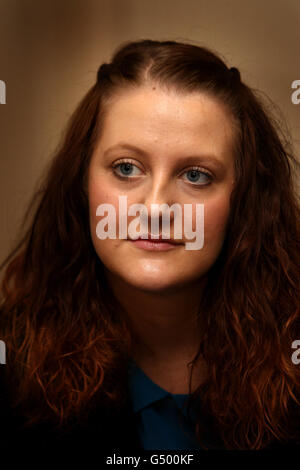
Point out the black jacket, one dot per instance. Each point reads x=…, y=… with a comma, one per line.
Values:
x=104, y=433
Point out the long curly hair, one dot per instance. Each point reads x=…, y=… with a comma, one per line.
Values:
x=67, y=345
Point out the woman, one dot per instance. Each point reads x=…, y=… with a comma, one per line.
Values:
x=150, y=344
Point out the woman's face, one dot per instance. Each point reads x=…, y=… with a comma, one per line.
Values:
x=178, y=149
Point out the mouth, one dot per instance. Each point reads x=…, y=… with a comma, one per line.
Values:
x=156, y=244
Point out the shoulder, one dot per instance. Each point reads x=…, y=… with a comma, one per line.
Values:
x=104, y=429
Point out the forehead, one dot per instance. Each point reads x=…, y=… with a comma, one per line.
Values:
x=168, y=121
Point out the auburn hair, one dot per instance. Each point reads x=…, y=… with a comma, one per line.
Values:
x=67, y=345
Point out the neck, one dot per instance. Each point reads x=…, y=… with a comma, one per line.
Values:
x=164, y=325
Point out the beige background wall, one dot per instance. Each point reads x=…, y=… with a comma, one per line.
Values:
x=50, y=51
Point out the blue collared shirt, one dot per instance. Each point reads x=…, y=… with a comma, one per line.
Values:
x=162, y=418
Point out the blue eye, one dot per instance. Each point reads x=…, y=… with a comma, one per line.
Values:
x=195, y=177
x=125, y=169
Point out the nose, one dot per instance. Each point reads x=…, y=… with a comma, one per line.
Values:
x=159, y=199
x=160, y=191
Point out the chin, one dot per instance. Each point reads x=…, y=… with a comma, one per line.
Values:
x=150, y=283
x=154, y=282
x=157, y=287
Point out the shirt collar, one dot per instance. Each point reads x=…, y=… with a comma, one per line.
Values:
x=143, y=391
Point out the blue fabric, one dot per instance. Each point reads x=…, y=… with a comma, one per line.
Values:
x=162, y=417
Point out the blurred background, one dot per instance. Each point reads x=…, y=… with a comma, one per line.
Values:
x=50, y=51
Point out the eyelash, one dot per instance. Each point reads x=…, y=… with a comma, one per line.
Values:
x=129, y=178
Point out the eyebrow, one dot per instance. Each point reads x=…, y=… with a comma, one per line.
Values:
x=191, y=158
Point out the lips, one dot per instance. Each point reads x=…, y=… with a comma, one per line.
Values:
x=159, y=240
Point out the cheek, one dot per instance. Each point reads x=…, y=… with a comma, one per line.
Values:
x=100, y=193
x=216, y=213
